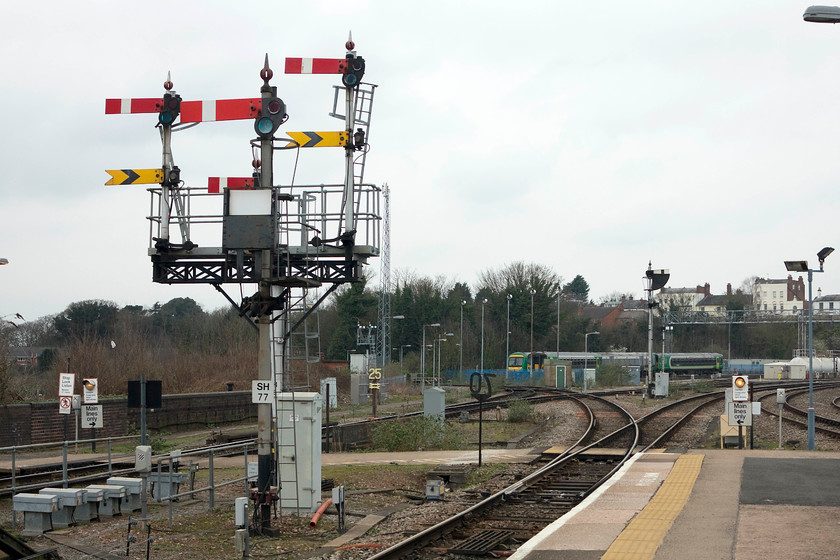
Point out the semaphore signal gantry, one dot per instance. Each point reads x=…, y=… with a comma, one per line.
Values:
x=286, y=239
x=315, y=233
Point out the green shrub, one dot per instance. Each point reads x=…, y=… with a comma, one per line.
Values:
x=612, y=375
x=519, y=411
x=412, y=434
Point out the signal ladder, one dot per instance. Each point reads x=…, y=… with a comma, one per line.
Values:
x=364, y=107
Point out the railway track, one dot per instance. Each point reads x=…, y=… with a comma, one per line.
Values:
x=796, y=416
x=519, y=511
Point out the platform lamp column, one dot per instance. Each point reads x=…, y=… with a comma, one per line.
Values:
x=507, y=335
x=586, y=354
x=440, y=341
x=559, y=291
x=423, y=356
x=401, y=355
x=815, y=14
x=461, y=341
x=483, y=302
x=531, y=357
x=802, y=266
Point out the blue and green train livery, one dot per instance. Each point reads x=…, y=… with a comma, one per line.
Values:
x=677, y=363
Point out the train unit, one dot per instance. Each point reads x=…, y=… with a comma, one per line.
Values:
x=526, y=361
x=707, y=363
x=687, y=363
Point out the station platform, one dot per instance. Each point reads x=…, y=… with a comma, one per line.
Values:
x=704, y=504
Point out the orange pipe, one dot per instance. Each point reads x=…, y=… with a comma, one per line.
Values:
x=321, y=510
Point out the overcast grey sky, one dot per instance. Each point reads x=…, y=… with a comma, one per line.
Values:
x=591, y=137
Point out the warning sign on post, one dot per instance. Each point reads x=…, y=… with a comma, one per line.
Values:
x=92, y=416
x=740, y=413
x=64, y=404
x=66, y=381
x=90, y=392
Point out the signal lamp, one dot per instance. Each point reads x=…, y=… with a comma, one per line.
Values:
x=273, y=115
x=353, y=71
x=171, y=108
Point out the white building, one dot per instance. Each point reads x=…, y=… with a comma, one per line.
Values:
x=826, y=304
x=682, y=299
x=780, y=296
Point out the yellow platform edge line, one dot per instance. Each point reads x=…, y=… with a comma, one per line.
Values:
x=643, y=535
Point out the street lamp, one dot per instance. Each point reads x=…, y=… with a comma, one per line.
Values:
x=665, y=329
x=401, y=355
x=559, y=291
x=586, y=354
x=439, y=352
x=423, y=355
x=384, y=339
x=461, y=339
x=507, y=335
x=802, y=266
x=531, y=357
x=483, y=302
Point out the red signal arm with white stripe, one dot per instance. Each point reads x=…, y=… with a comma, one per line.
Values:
x=129, y=106
x=315, y=65
x=191, y=111
x=214, y=184
x=220, y=110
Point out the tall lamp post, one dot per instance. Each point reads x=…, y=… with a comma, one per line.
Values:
x=423, y=355
x=461, y=341
x=559, y=290
x=401, y=355
x=815, y=14
x=586, y=353
x=483, y=302
x=507, y=335
x=531, y=357
x=439, y=352
x=802, y=266
x=666, y=329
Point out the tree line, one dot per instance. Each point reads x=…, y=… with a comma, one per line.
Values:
x=517, y=307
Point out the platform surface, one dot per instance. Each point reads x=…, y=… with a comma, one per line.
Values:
x=705, y=505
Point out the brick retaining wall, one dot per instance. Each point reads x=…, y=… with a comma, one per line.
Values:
x=23, y=424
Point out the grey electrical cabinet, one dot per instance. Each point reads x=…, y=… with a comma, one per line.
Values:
x=299, y=451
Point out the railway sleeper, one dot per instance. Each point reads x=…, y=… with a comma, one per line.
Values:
x=482, y=542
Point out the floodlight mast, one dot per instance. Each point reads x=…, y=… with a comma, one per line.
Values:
x=802, y=266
